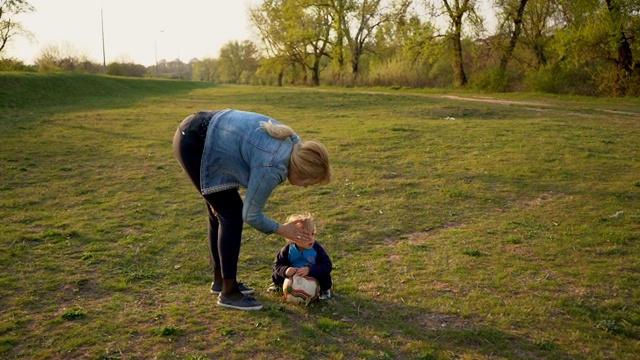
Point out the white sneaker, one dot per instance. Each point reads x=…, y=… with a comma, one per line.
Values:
x=325, y=295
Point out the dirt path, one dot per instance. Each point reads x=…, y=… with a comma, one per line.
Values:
x=495, y=101
x=537, y=106
x=540, y=106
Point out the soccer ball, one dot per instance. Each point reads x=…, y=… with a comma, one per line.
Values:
x=300, y=289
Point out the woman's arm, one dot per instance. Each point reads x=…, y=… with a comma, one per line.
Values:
x=261, y=184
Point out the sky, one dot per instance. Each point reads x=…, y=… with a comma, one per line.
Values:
x=138, y=31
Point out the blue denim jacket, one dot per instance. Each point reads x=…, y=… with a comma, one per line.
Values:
x=238, y=153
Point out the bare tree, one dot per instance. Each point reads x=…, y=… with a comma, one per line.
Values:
x=8, y=27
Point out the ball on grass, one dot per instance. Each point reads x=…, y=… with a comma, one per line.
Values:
x=300, y=289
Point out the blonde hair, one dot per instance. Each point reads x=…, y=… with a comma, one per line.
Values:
x=309, y=159
x=278, y=131
x=306, y=221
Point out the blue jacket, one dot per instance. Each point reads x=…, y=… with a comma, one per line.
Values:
x=238, y=153
x=319, y=267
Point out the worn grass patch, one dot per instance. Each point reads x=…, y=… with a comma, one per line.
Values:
x=460, y=226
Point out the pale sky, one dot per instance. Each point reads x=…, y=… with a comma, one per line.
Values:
x=134, y=30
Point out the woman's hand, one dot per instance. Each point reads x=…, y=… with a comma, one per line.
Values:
x=296, y=234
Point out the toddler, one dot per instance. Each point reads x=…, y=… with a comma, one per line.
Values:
x=294, y=259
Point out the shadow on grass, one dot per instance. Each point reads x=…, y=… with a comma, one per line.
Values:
x=375, y=331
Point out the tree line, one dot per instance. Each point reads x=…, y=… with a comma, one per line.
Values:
x=585, y=47
x=573, y=46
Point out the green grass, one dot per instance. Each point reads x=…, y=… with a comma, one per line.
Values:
x=511, y=232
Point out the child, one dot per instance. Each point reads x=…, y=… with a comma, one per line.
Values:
x=293, y=259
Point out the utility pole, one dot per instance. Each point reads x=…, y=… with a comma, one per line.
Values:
x=104, y=58
x=155, y=49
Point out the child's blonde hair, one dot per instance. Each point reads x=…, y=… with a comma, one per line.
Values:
x=306, y=221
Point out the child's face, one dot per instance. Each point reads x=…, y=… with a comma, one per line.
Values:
x=301, y=247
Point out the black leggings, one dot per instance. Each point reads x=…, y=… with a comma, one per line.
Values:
x=225, y=225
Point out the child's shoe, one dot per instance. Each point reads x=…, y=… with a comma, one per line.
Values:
x=274, y=288
x=325, y=295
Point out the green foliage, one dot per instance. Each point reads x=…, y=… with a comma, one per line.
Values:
x=14, y=65
x=126, y=69
x=472, y=252
x=398, y=72
x=175, y=69
x=205, y=70
x=74, y=314
x=580, y=47
x=441, y=75
x=611, y=81
x=238, y=62
x=492, y=80
x=227, y=331
x=55, y=58
x=599, y=39
x=557, y=79
x=170, y=330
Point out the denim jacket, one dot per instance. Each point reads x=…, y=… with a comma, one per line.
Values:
x=238, y=153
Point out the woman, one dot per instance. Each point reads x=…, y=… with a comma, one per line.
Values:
x=222, y=151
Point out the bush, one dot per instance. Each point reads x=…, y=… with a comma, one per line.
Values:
x=492, y=80
x=399, y=73
x=556, y=79
x=612, y=81
x=10, y=64
x=441, y=73
x=122, y=69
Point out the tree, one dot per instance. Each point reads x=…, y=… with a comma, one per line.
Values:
x=537, y=29
x=237, y=60
x=205, y=70
x=620, y=14
x=419, y=45
x=126, y=69
x=366, y=16
x=297, y=32
x=64, y=56
x=269, y=19
x=513, y=14
x=601, y=36
x=8, y=27
x=339, y=9
x=457, y=11
x=316, y=24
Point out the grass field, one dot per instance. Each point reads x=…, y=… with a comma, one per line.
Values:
x=461, y=225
